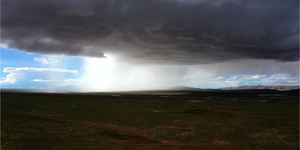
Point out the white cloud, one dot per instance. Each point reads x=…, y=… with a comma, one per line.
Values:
x=46, y=60
x=66, y=80
x=71, y=80
x=275, y=79
x=237, y=80
x=234, y=80
x=219, y=78
x=29, y=74
x=30, y=69
x=59, y=83
x=255, y=77
x=280, y=79
x=10, y=79
x=42, y=80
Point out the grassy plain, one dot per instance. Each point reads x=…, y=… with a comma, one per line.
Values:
x=198, y=120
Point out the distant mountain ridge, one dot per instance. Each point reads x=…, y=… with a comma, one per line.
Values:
x=261, y=87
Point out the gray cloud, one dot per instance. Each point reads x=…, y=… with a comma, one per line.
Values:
x=155, y=31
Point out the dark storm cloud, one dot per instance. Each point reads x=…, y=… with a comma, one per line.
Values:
x=155, y=31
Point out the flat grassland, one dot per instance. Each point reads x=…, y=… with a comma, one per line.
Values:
x=187, y=120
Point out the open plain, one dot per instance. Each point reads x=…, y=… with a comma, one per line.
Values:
x=257, y=119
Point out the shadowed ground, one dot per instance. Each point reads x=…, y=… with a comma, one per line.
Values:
x=200, y=120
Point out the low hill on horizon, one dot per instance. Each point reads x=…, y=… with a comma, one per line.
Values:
x=184, y=88
x=261, y=87
x=252, y=87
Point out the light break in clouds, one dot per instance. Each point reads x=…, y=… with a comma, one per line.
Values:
x=111, y=75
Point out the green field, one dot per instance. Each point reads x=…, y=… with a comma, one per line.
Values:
x=199, y=120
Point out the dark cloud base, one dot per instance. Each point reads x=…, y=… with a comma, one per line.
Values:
x=155, y=31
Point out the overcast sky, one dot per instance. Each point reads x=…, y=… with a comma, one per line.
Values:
x=134, y=44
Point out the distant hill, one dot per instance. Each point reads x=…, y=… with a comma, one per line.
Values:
x=184, y=88
x=261, y=87
x=252, y=87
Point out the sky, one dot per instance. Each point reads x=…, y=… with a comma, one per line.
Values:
x=123, y=45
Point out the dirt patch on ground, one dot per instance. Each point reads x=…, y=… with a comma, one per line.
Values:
x=140, y=137
x=220, y=142
x=270, y=136
x=172, y=127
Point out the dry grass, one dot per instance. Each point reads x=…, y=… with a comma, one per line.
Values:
x=108, y=122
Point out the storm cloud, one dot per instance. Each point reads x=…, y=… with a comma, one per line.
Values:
x=155, y=31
